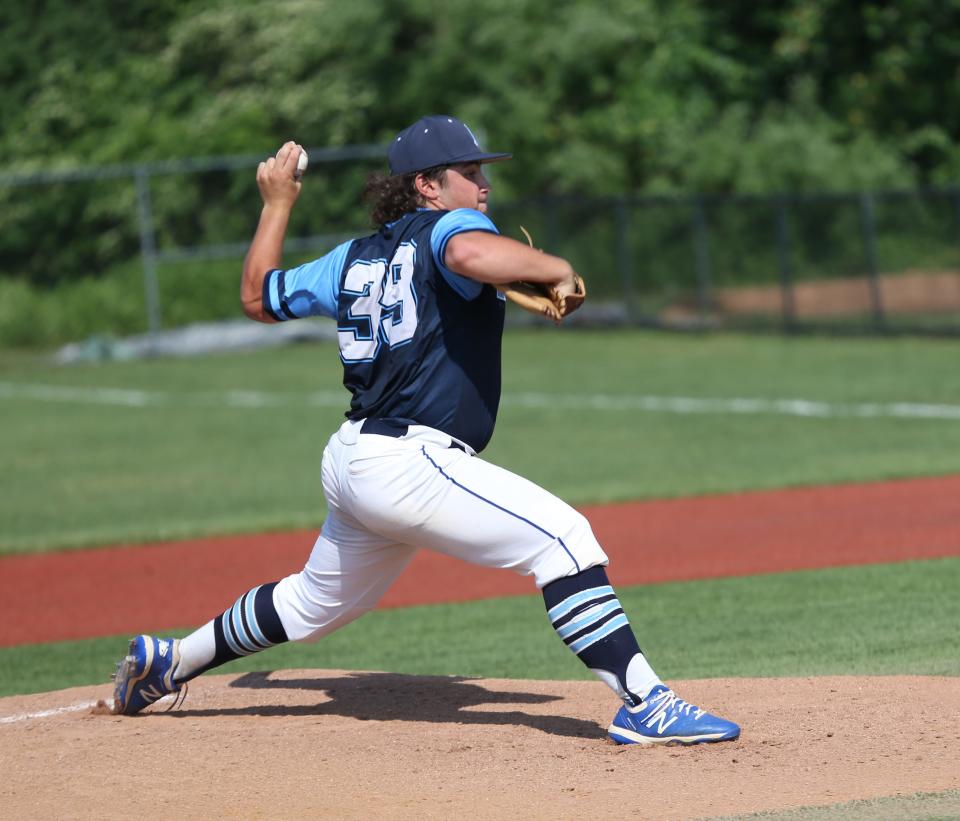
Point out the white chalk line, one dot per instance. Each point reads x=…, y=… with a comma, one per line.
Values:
x=73, y=708
x=253, y=399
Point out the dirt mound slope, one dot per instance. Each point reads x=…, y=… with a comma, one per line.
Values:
x=334, y=744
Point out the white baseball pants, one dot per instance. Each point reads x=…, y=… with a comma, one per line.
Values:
x=388, y=497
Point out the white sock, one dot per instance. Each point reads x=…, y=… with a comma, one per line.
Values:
x=640, y=676
x=196, y=651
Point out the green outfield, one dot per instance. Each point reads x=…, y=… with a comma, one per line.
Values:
x=166, y=448
x=172, y=448
x=879, y=620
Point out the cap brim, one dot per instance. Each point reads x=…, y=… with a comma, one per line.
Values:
x=479, y=157
x=483, y=158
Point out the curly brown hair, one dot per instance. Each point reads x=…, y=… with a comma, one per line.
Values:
x=390, y=197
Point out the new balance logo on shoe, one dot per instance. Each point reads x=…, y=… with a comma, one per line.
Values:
x=151, y=694
x=660, y=717
x=664, y=722
x=163, y=647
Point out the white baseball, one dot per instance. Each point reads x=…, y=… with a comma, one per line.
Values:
x=301, y=164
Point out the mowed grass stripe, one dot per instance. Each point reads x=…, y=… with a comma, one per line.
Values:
x=255, y=400
x=81, y=474
x=878, y=619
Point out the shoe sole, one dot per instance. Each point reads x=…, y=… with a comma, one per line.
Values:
x=623, y=736
x=126, y=675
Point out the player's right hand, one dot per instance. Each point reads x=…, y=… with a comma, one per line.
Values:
x=275, y=176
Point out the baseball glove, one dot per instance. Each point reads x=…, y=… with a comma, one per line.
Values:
x=542, y=298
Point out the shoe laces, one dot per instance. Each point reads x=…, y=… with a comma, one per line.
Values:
x=669, y=701
x=177, y=703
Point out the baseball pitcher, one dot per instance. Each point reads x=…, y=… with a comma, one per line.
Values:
x=419, y=306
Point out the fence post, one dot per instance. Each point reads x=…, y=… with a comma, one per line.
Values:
x=956, y=210
x=702, y=254
x=148, y=249
x=624, y=257
x=784, y=258
x=868, y=224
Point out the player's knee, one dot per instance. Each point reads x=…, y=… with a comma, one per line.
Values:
x=573, y=550
x=577, y=537
x=310, y=610
x=579, y=527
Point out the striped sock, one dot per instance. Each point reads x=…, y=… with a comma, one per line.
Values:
x=586, y=613
x=249, y=626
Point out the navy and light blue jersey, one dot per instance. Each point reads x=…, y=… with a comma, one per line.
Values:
x=419, y=343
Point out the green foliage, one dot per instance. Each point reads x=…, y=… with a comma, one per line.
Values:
x=643, y=97
x=31, y=316
x=66, y=232
x=589, y=101
x=880, y=620
x=783, y=146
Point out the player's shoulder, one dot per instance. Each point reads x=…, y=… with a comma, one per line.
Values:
x=464, y=219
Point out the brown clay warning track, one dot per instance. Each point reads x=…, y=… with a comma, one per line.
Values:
x=83, y=594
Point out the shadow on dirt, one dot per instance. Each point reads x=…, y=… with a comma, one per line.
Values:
x=395, y=697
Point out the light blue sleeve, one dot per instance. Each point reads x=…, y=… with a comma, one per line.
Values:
x=307, y=290
x=448, y=226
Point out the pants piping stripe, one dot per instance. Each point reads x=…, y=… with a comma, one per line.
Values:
x=449, y=478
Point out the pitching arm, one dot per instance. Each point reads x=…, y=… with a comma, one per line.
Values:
x=279, y=189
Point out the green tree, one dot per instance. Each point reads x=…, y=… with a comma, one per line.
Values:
x=633, y=95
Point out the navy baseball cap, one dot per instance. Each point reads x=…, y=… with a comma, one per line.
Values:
x=436, y=140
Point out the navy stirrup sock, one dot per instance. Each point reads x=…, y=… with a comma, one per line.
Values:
x=586, y=613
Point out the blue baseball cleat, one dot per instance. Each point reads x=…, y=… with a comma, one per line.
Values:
x=665, y=719
x=145, y=674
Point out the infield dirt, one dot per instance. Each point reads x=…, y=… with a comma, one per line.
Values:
x=323, y=744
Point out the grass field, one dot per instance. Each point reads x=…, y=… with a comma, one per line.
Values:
x=879, y=619
x=131, y=451
x=137, y=451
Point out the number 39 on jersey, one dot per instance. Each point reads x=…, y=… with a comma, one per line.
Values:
x=382, y=305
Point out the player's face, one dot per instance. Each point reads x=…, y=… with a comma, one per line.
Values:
x=465, y=187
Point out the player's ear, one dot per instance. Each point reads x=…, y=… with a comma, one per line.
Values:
x=428, y=189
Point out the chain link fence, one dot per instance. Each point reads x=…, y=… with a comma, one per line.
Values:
x=61, y=226
x=886, y=261
x=883, y=261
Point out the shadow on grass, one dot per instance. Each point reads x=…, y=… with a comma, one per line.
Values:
x=395, y=697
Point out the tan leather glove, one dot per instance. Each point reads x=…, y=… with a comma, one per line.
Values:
x=542, y=298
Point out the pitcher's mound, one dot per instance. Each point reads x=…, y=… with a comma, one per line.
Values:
x=331, y=744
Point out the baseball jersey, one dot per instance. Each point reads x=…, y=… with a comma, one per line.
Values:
x=419, y=343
